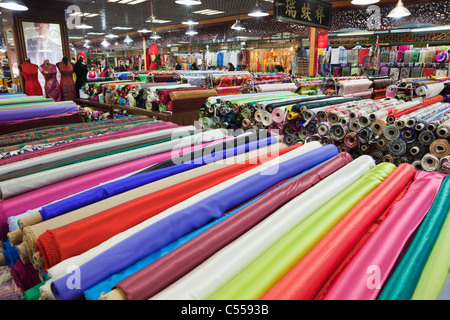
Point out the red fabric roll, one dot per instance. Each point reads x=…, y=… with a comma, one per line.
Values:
x=59, y=244
x=164, y=95
x=307, y=278
x=426, y=102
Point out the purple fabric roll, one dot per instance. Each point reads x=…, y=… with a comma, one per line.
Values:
x=29, y=113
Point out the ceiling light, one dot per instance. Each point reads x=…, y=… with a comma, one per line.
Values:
x=111, y=35
x=258, y=10
x=96, y=33
x=125, y=1
x=14, y=5
x=209, y=12
x=105, y=43
x=155, y=35
x=128, y=40
x=399, y=11
x=191, y=31
x=143, y=29
x=237, y=25
x=436, y=28
x=136, y=2
x=122, y=28
x=188, y=2
x=364, y=2
x=83, y=25
x=190, y=21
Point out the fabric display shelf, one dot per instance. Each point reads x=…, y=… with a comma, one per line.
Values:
x=394, y=130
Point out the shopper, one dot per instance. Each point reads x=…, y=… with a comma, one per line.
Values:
x=279, y=68
x=194, y=67
x=230, y=67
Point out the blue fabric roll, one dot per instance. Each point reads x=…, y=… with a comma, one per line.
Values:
x=180, y=223
x=10, y=253
x=119, y=186
x=38, y=112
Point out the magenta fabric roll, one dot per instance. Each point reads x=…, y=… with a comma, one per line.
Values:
x=100, y=138
x=365, y=274
x=37, y=198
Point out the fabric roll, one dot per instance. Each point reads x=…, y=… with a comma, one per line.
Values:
x=323, y=259
x=440, y=148
x=432, y=283
x=53, y=252
x=228, y=262
x=366, y=273
x=274, y=263
x=253, y=156
x=397, y=148
x=186, y=258
x=430, y=90
x=444, y=165
x=404, y=278
x=443, y=130
x=156, y=233
x=276, y=87
x=16, y=186
x=430, y=162
x=30, y=113
x=426, y=137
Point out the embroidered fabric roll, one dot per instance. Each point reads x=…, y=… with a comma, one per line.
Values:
x=155, y=235
x=228, y=262
x=405, y=276
x=322, y=260
x=382, y=249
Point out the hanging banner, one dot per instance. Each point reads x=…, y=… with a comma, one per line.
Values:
x=322, y=41
x=312, y=13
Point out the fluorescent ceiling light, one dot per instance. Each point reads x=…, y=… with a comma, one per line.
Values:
x=122, y=28
x=144, y=30
x=96, y=33
x=125, y=1
x=258, y=10
x=76, y=38
x=399, y=11
x=136, y=2
x=113, y=0
x=191, y=31
x=188, y=2
x=364, y=2
x=190, y=21
x=111, y=35
x=209, y=12
x=436, y=28
x=14, y=5
x=360, y=33
x=83, y=25
x=155, y=35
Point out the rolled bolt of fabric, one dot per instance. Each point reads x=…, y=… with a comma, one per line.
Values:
x=417, y=164
x=338, y=131
x=430, y=162
x=378, y=126
x=391, y=132
x=365, y=275
x=443, y=130
x=404, y=278
x=444, y=165
x=215, y=170
x=53, y=252
x=38, y=112
x=227, y=263
x=426, y=137
x=185, y=258
x=105, y=190
x=433, y=281
x=440, y=148
x=24, y=275
x=382, y=143
x=252, y=157
x=274, y=263
x=397, y=147
x=213, y=209
x=333, y=248
x=351, y=141
x=388, y=158
x=430, y=90
x=38, y=180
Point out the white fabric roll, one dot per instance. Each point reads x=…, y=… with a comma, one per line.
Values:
x=61, y=268
x=12, y=187
x=226, y=263
x=430, y=90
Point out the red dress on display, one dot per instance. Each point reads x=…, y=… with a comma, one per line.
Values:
x=30, y=75
x=52, y=87
x=67, y=84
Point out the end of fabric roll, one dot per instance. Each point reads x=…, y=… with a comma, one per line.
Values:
x=115, y=294
x=15, y=237
x=23, y=253
x=2, y=259
x=30, y=220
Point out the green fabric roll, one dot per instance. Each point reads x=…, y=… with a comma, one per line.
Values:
x=403, y=280
x=34, y=293
x=27, y=100
x=436, y=269
x=259, y=276
x=323, y=103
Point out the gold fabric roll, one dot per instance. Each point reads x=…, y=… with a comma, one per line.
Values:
x=192, y=94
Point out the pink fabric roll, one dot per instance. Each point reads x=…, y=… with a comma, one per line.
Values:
x=37, y=198
x=365, y=274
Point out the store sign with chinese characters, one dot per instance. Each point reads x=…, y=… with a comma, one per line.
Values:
x=312, y=13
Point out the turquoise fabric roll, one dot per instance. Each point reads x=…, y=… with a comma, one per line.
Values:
x=404, y=278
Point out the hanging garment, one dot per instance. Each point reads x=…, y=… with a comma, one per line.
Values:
x=30, y=74
x=67, y=84
x=52, y=87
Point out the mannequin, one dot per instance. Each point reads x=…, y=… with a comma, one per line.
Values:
x=67, y=85
x=81, y=71
x=52, y=87
x=30, y=75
